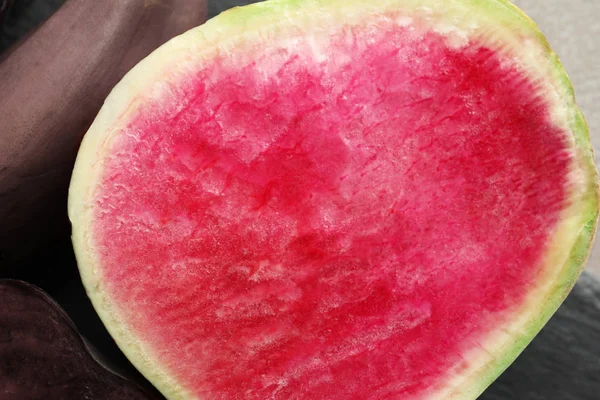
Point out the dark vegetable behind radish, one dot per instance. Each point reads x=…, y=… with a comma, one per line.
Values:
x=43, y=355
x=52, y=84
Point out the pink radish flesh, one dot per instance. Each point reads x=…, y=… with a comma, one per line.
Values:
x=337, y=227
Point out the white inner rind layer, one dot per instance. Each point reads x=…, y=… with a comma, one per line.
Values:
x=494, y=23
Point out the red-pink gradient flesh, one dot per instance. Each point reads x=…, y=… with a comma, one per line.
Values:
x=338, y=227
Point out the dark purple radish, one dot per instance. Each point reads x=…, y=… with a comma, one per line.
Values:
x=53, y=84
x=42, y=355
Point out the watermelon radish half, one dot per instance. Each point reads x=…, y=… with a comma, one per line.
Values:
x=336, y=199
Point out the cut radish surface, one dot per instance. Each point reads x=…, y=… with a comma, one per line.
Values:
x=300, y=200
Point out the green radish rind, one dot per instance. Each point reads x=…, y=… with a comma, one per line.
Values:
x=497, y=23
